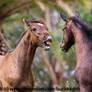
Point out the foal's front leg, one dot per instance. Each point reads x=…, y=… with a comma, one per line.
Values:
x=29, y=83
x=5, y=86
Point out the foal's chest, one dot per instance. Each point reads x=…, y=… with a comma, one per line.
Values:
x=83, y=72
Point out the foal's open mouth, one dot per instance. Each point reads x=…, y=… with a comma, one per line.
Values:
x=46, y=45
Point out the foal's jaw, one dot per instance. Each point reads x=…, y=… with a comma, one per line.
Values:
x=63, y=48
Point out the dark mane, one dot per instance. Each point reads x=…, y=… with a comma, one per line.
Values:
x=85, y=26
x=17, y=42
x=35, y=21
x=20, y=39
x=38, y=21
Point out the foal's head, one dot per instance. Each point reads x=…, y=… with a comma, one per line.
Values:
x=39, y=32
x=68, y=39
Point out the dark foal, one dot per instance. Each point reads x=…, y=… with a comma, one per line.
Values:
x=77, y=32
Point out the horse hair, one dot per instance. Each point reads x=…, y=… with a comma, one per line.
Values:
x=85, y=26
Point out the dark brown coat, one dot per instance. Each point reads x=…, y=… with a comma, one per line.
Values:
x=78, y=33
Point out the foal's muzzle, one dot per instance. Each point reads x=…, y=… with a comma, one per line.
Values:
x=47, y=41
x=62, y=46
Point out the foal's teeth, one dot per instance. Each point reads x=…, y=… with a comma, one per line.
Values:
x=47, y=47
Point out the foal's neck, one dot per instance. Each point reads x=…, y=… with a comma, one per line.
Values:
x=24, y=52
x=82, y=42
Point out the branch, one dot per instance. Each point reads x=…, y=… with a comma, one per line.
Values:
x=51, y=72
x=65, y=7
x=46, y=11
x=60, y=3
x=13, y=10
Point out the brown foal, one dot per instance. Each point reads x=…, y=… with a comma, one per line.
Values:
x=79, y=33
x=15, y=66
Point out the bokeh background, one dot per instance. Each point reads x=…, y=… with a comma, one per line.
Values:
x=52, y=68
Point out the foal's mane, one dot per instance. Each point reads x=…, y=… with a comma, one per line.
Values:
x=85, y=26
x=20, y=39
x=17, y=42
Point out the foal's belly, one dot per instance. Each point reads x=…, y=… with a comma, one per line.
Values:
x=83, y=73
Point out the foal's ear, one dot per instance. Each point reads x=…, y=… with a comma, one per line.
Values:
x=26, y=22
x=77, y=14
x=64, y=17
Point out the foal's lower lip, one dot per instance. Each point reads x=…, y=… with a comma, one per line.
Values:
x=47, y=47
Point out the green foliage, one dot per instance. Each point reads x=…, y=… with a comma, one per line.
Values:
x=68, y=85
x=86, y=3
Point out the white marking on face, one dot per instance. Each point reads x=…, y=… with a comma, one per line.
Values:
x=40, y=24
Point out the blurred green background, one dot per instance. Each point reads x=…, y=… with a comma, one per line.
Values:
x=62, y=64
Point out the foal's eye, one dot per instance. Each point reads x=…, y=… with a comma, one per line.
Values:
x=34, y=29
